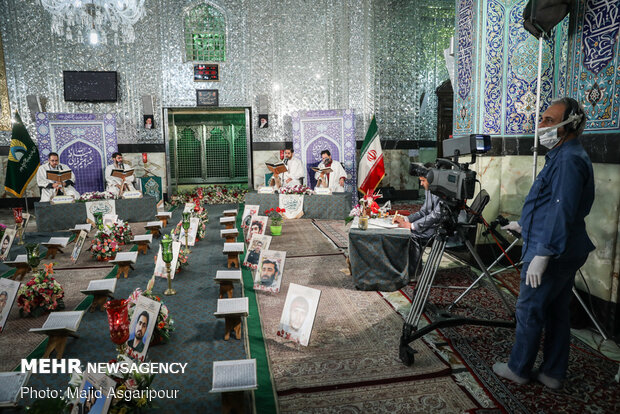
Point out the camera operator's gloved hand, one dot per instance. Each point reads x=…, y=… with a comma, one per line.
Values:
x=537, y=267
x=514, y=226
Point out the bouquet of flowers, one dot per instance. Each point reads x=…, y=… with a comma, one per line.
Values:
x=183, y=257
x=297, y=189
x=42, y=293
x=212, y=194
x=121, y=231
x=96, y=195
x=276, y=217
x=103, y=246
x=202, y=230
x=165, y=324
x=128, y=385
x=355, y=212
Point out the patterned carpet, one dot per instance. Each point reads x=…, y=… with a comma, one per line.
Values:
x=351, y=363
x=589, y=388
x=301, y=238
x=335, y=230
x=16, y=341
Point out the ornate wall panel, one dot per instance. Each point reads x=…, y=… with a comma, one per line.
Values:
x=494, y=68
x=595, y=79
x=465, y=75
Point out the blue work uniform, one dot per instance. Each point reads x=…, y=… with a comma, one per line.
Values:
x=552, y=223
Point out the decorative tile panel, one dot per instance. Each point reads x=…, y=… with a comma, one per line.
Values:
x=463, y=108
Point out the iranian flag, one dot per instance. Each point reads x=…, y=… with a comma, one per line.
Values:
x=371, y=169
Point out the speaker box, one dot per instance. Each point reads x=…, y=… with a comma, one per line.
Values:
x=35, y=104
x=147, y=104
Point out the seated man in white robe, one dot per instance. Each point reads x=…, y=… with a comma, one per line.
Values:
x=295, y=172
x=335, y=179
x=50, y=188
x=115, y=184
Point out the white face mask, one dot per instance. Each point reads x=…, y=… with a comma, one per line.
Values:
x=548, y=137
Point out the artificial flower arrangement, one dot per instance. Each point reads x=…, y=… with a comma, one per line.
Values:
x=42, y=293
x=211, y=194
x=128, y=386
x=96, y=195
x=104, y=247
x=121, y=231
x=296, y=189
x=165, y=324
x=183, y=260
x=275, y=215
x=176, y=232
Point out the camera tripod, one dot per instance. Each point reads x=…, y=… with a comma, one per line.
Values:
x=448, y=228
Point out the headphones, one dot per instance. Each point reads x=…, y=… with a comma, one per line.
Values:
x=574, y=114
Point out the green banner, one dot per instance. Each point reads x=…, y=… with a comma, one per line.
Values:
x=23, y=160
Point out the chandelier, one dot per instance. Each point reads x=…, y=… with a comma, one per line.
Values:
x=78, y=20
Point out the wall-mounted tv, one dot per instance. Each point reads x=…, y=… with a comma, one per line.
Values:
x=90, y=86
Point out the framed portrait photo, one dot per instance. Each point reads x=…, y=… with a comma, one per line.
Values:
x=269, y=271
x=298, y=314
x=258, y=225
x=258, y=243
x=141, y=327
x=8, y=293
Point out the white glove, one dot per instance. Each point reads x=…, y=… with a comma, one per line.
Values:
x=514, y=226
x=537, y=267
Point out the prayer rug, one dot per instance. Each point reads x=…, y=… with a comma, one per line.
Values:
x=432, y=395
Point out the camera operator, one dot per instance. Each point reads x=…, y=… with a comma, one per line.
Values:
x=422, y=224
x=555, y=246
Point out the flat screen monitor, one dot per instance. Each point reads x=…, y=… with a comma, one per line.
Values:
x=90, y=86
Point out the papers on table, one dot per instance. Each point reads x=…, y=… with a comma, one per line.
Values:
x=380, y=226
x=103, y=285
x=69, y=321
x=154, y=224
x=58, y=241
x=20, y=259
x=384, y=223
x=235, y=306
x=125, y=257
x=237, y=375
x=233, y=248
x=10, y=386
x=87, y=227
x=143, y=237
x=228, y=276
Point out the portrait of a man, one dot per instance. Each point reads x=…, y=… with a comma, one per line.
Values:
x=136, y=341
x=8, y=293
x=263, y=121
x=257, y=226
x=149, y=122
x=93, y=396
x=268, y=275
x=5, y=245
x=258, y=242
x=248, y=212
x=298, y=314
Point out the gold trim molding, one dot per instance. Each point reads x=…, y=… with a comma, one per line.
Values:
x=5, y=110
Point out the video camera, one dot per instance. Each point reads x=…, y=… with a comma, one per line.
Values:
x=453, y=182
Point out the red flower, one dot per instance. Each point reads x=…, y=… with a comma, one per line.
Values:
x=278, y=209
x=283, y=211
x=161, y=325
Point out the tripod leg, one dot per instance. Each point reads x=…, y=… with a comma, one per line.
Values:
x=482, y=275
x=484, y=269
x=426, y=281
x=592, y=318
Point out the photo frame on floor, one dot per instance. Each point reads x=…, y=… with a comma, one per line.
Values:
x=269, y=271
x=160, y=265
x=79, y=243
x=258, y=225
x=6, y=243
x=141, y=327
x=258, y=243
x=94, y=394
x=8, y=293
x=248, y=211
x=298, y=313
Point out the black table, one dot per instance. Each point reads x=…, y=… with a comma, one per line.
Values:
x=379, y=258
x=334, y=206
x=66, y=216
